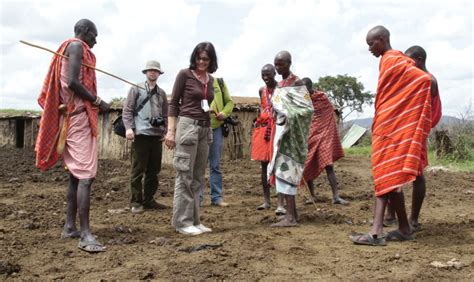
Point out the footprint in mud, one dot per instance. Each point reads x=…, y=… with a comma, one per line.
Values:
x=324, y=216
x=161, y=241
x=125, y=240
x=268, y=219
x=125, y=229
x=359, y=197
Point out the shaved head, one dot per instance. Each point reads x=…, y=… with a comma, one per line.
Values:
x=86, y=31
x=83, y=25
x=283, y=55
x=418, y=54
x=282, y=63
x=268, y=75
x=268, y=67
x=308, y=83
x=378, y=39
x=379, y=32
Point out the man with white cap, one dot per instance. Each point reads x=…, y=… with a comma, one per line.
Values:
x=145, y=116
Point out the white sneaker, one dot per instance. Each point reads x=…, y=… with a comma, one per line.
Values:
x=203, y=228
x=189, y=230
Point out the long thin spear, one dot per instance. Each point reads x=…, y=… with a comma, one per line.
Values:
x=86, y=65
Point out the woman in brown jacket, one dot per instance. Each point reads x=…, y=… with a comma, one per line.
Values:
x=189, y=132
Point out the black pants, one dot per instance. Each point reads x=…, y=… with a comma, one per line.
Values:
x=145, y=156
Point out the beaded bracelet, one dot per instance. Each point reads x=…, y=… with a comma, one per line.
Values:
x=97, y=101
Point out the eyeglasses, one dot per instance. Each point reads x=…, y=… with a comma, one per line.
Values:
x=204, y=59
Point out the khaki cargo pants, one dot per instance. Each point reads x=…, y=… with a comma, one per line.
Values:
x=190, y=160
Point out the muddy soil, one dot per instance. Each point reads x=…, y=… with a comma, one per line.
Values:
x=242, y=246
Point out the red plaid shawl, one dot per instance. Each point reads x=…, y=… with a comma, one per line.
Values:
x=49, y=100
x=324, y=146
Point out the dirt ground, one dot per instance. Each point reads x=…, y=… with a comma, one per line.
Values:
x=32, y=206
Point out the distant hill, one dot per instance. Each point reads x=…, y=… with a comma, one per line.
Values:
x=367, y=122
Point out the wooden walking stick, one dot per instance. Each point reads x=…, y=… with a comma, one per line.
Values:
x=86, y=65
x=64, y=128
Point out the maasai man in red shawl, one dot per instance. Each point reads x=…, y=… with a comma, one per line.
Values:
x=262, y=137
x=418, y=54
x=324, y=146
x=74, y=85
x=401, y=123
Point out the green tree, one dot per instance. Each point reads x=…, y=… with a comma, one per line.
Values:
x=117, y=102
x=345, y=92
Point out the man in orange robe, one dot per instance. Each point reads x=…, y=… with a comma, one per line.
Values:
x=418, y=54
x=401, y=123
x=74, y=85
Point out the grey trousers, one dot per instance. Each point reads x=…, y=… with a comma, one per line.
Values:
x=190, y=160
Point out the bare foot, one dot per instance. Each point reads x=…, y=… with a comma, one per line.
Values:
x=340, y=201
x=285, y=223
x=387, y=222
x=415, y=226
x=69, y=233
x=264, y=206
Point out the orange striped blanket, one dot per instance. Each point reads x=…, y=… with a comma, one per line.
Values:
x=401, y=124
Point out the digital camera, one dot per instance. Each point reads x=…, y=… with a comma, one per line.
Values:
x=157, y=121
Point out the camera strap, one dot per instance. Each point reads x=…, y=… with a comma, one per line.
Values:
x=147, y=98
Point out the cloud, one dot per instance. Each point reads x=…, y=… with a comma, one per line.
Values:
x=129, y=35
x=324, y=37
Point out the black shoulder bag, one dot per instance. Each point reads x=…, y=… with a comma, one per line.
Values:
x=119, y=127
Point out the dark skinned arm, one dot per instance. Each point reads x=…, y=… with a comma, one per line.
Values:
x=434, y=86
x=268, y=130
x=74, y=51
x=260, y=93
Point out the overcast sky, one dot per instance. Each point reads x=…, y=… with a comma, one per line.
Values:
x=324, y=38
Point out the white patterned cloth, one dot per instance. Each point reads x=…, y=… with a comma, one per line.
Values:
x=294, y=113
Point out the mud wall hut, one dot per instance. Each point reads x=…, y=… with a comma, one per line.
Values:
x=236, y=145
x=21, y=130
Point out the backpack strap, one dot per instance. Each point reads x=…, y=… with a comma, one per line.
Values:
x=147, y=98
x=220, y=81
